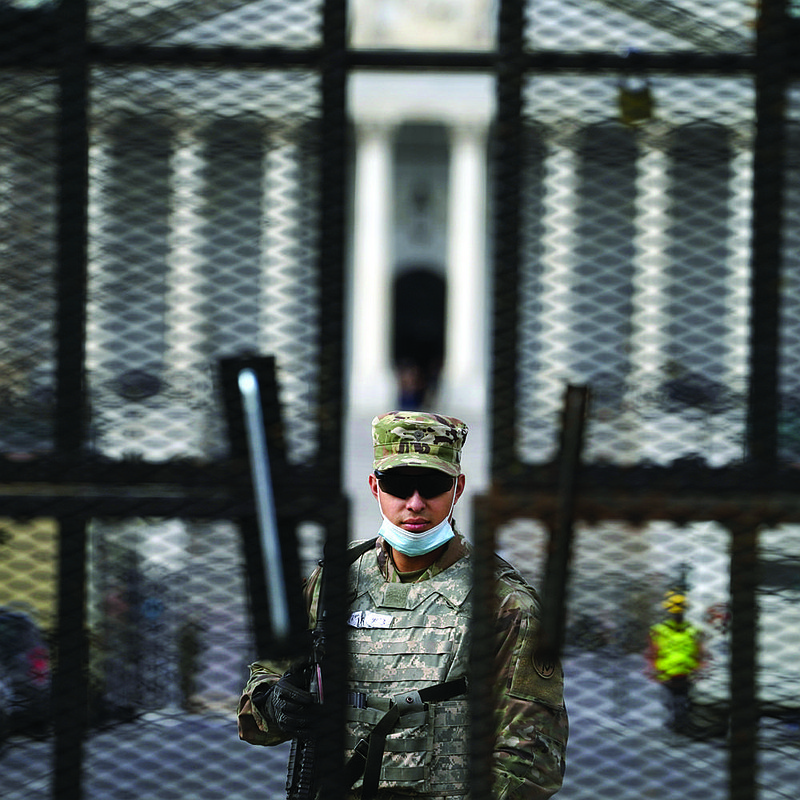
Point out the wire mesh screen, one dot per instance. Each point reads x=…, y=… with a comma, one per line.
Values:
x=202, y=243
x=789, y=310
x=28, y=257
x=219, y=22
x=630, y=263
x=635, y=268
x=204, y=236
x=28, y=547
x=619, y=713
x=203, y=246
x=700, y=26
x=635, y=279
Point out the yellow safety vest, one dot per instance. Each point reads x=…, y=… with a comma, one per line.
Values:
x=677, y=649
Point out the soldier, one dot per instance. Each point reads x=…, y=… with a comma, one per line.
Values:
x=409, y=643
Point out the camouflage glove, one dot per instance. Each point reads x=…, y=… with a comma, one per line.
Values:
x=288, y=706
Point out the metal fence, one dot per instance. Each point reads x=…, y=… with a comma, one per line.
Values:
x=174, y=196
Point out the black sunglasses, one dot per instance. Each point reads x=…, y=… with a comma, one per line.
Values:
x=428, y=484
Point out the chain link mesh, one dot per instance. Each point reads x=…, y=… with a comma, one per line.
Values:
x=206, y=153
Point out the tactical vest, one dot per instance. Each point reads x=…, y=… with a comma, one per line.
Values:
x=677, y=652
x=406, y=640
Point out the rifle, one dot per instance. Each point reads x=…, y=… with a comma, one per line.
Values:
x=301, y=773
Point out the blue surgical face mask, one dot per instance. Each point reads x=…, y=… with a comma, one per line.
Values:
x=417, y=544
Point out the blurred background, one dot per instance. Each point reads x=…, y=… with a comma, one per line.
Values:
x=454, y=205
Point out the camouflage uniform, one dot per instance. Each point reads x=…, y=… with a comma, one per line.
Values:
x=407, y=636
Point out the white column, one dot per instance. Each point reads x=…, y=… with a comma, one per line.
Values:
x=372, y=384
x=649, y=336
x=184, y=295
x=540, y=403
x=289, y=286
x=727, y=428
x=464, y=378
x=100, y=168
x=184, y=287
x=108, y=423
x=649, y=319
x=739, y=227
x=6, y=212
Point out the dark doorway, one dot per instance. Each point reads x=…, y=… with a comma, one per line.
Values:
x=419, y=334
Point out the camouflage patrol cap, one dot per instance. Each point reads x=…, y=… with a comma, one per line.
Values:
x=418, y=439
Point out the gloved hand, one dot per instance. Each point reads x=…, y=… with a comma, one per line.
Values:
x=288, y=705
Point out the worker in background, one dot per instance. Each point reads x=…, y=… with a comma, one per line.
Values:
x=675, y=656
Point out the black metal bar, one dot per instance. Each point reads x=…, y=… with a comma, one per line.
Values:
x=594, y=505
x=554, y=586
x=73, y=193
x=121, y=504
x=506, y=155
x=482, y=677
x=771, y=74
x=70, y=679
x=768, y=183
x=191, y=56
x=743, y=742
x=70, y=688
x=221, y=490
x=679, y=62
x=506, y=160
x=332, y=139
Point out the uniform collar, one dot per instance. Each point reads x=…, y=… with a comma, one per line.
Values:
x=457, y=548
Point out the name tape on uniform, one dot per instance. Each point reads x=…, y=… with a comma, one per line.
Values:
x=369, y=619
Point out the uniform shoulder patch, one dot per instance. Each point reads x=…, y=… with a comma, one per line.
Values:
x=533, y=677
x=545, y=667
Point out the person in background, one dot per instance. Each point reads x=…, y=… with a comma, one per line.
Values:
x=409, y=637
x=675, y=656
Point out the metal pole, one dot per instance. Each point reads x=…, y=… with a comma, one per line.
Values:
x=506, y=154
x=70, y=686
x=332, y=139
x=554, y=586
x=743, y=666
x=771, y=76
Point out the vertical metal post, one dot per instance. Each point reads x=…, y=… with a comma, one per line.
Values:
x=507, y=159
x=482, y=677
x=333, y=151
x=772, y=62
x=332, y=137
x=554, y=587
x=70, y=687
x=743, y=663
x=73, y=193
